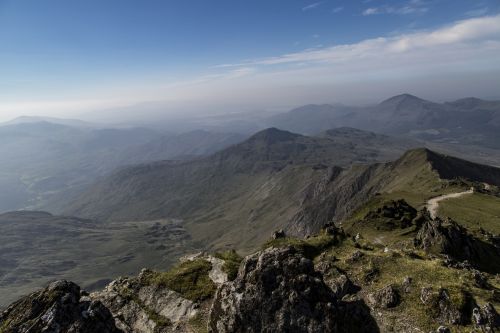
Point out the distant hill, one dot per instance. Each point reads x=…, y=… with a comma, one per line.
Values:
x=275, y=179
x=470, y=121
x=59, y=121
x=45, y=163
x=156, y=188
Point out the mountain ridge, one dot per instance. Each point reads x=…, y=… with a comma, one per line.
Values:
x=405, y=115
x=292, y=184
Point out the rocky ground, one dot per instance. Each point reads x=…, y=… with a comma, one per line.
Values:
x=420, y=275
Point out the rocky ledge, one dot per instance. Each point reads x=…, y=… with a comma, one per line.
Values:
x=60, y=307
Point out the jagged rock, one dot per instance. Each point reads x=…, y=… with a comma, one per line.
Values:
x=486, y=318
x=443, y=329
x=276, y=290
x=217, y=274
x=406, y=285
x=440, y=303
x=332, y=230
x=279, y=234
x=335, y=279
x=447, y=238
x=139, y=307
x=426, y=294
x=387, y=297
x=480, y=279
x=57, y=308
x=355, y=256
x=491, y=315
x=452, y=263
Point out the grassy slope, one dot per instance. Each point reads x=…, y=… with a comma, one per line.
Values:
x=393, y=267
x=246, y=215
x=415, y=181
x=474, y=211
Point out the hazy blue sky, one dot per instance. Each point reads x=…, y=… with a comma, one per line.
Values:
x=65, y=58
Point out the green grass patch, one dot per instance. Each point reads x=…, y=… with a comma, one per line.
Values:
x=198, y=323
x=310, y=247
x=189, y=278
x=473, y=211
x=232, y=261
x=392, y=268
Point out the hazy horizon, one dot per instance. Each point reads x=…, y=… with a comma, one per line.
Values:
x=121, y=61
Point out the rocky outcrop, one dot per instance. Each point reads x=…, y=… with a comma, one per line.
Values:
x=486, y=318
x=453, y=241
x=278, y=234
x=142, y=308
x=392, y=214
x=387, y=297
x=335, y=279
x=278, y=290
x=445, y=308
x=57, y=308
x=217, y=274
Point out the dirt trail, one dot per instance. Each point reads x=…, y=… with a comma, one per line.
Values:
x=433, y=204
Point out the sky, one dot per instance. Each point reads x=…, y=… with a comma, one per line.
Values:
x=100, y=59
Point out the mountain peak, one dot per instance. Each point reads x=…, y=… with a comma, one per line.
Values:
x=403, y=99
x=273, y=135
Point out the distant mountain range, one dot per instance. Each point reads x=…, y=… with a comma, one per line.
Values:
x=53, y=120
x=465, y=121
x=275, y=179
x=44, y=162
x=47, y=161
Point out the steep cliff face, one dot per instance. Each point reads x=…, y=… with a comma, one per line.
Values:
x=334, y=197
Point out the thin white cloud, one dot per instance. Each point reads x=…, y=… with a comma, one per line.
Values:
x=457, y=59
x=477, y=12
x=467, y=33
x=312, y=6
x=411, y=7
x=337, y=9
x=371, y=11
